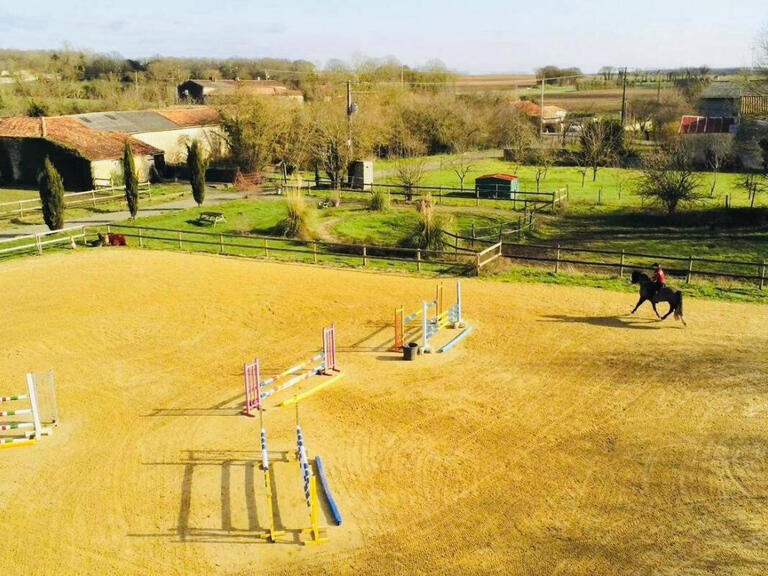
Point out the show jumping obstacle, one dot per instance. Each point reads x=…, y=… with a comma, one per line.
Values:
x=34, y=425
x=322, y=364
x=272, y=534
x=428, y=327
x=310, y=488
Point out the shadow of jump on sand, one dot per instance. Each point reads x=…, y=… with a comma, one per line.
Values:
x=238, y=472
x=627, y=322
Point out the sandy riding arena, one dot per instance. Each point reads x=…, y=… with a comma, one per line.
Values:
x=561, y=437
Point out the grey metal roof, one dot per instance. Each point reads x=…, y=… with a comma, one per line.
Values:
x=132, y=122
x=722, y=90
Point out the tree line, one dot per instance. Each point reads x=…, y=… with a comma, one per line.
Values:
x=73, y=81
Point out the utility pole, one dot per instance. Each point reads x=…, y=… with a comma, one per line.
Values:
x=541, y=111
x=402, y=75
x=349, y=118
x=658, y=86
x=624, y=98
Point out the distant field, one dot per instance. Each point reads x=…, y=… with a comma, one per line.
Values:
x=602, y=101
x=495, y=82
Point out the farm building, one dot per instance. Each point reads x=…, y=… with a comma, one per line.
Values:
x=707, y=125
x=732, y=100
x=82, y=155
x=497, y=186
x=169, y=129
x=202, y=91
x=87, y=148
x=553, y=116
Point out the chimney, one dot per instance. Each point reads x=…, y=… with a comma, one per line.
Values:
x=43, y=128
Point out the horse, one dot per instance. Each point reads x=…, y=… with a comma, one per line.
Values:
x=673, y=297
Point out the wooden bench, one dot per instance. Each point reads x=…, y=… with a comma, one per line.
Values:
x=211, y=218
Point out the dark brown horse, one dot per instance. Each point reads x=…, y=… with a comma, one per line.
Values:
x=647, y=288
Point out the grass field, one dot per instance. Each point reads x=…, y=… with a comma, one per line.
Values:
x=562, y=436
x=612, y=187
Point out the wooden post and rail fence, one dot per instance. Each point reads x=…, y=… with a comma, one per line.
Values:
x=519, y=200
x=20, y=208
x=469, y=259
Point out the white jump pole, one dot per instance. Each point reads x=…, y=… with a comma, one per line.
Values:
x=460, y=322
x=33, y=402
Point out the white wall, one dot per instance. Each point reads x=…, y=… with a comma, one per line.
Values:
x=174, y=142
x=102, y=170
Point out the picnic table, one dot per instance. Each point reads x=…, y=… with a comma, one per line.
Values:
x=211, y=218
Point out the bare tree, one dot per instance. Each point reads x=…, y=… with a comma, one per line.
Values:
x=717, y=148
x=754, y=183
x=511, y=130
x=461, y=165
x=410, y=173
x=577, y=160
x=643, y=111
x=607, y=72
x=292, y=141
x=668, y=179
x=546, y=158
x=602, y=142
x=330, y=148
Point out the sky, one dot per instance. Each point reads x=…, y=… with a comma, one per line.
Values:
x=484, y=36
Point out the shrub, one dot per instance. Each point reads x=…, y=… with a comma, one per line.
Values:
x=297, y=223
x=430, y=229
x=379, y=201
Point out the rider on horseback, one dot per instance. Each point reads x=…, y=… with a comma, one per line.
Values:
x=659, y=279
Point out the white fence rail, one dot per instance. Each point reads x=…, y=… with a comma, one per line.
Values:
x=37, y=242
x=71, y=200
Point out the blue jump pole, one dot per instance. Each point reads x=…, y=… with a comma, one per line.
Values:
x=328, y=496
x=464, y=333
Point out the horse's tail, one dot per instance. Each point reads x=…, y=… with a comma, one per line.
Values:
x=679, y=308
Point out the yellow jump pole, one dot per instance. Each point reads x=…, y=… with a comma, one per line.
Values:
x=314, y=521
x=272, y=534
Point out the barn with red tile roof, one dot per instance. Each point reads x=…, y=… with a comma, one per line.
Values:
x=81, y=154
x=87, y=148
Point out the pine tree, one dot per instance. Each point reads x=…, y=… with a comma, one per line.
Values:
x=131, y=181
x=197, y=166
x=52, y=196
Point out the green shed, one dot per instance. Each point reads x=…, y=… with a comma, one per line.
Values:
x=497, y=186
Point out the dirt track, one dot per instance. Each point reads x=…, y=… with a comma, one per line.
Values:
x=561, y=437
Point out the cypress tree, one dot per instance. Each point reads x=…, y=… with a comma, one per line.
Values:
x=131, y=181
x=197, y=166
x=52, y=196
